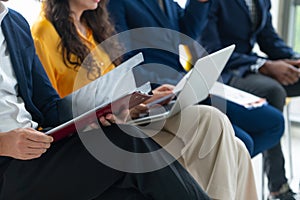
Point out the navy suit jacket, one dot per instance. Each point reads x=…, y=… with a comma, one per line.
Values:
x=158, y=45
x=33, y=84
x=230, y=23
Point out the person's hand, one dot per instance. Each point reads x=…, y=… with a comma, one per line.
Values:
x=24, y=143
x=110, y=118
x=281, y=70
x=136, y=111
x=202, y=1
x=295, y=63
x=160, y=92
x=123, y=116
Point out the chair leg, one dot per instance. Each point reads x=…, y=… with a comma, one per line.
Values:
x=262, y=178
x=289, y=140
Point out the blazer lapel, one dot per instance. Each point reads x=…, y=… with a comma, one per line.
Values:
x=170, y=12
x=244, y=7
x=261, y=14
x=157, y=13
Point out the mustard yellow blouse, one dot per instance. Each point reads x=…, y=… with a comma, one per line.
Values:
x=64, y=79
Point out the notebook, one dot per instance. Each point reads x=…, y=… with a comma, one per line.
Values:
x=193, y=88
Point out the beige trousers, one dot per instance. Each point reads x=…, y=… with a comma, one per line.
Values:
x=203, y=140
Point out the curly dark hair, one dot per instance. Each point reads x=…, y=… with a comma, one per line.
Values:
x=59, y=14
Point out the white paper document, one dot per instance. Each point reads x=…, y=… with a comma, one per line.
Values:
x=109, y=92
x=237, y=96
x=107, y=88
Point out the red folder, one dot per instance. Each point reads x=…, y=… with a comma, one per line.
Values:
x=79, y=123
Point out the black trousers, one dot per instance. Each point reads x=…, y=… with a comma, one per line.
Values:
x=68, y=171
x=275, y=93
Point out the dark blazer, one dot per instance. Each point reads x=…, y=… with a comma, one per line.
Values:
x=230, y=23
x=158, y=45
x=34, y=86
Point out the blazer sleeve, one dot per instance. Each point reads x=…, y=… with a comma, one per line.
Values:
x=44, y=96
x=270, y=42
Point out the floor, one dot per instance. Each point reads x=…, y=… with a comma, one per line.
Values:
x=294, y=180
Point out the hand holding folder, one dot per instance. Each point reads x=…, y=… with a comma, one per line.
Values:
x=79, y=123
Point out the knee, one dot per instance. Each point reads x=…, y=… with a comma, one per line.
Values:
x=245, y=138
x=274, y=126
x=279, y=125
x=210, y=113
x=217, y=124
x=211, y=116
x=212, y=128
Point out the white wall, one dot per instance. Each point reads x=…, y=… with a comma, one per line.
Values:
x=275, y=12
x=181, y=2
x=28, y=8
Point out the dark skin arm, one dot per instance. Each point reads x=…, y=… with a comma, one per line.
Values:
x=285, y=72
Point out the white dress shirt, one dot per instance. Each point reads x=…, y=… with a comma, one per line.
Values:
x=161, y=5
x=252, y=11
x=12, y=109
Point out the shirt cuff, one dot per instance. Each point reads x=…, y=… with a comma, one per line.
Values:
x=259, y=63
x=295, y=56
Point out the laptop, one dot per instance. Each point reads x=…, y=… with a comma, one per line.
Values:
x=193, y=88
